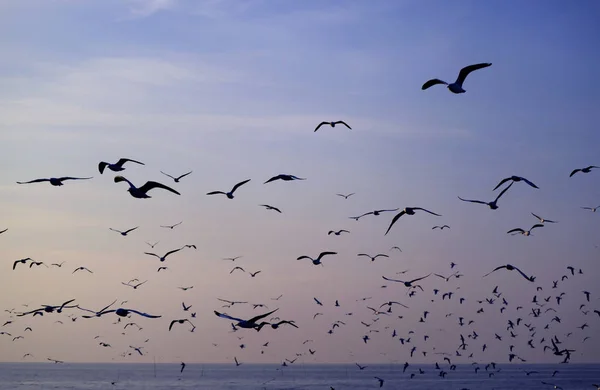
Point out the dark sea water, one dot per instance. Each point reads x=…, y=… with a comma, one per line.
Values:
x=295, y=376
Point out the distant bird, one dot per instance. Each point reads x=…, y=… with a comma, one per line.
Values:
x=514, y=180
x=593, y=209
x=332, y=124
x=234, y=268
x=2, y=231
x=457, y=86
x=55, y=181
x=317, y=261
x=117, y=167
x=440, y=227
x=372, y=257
x=493, y=204
x=247, y=324
x=230, y=193
x=182, y=367
x=232, y=258
x=176, y=179
x=82, y=269
x=253, y=274
x=186, y=308
x=237, y=364
x=270, y=207
x=134, y=286
x=181, y=321
x=406, y=283
x=543, y=220
x=284, y=177
x=524, y=232
x=510, y=267
x=583, y=170
x=396, y=248
x=408, y=211
x=381, y=381
x=163, y=258
x=141, y=193
x=337, y=233
x=185, y=288
x=360, y=367
x=161, y=268
x=21, y=261
x=171, y=226
x=346, y=196
x=152, y=245
x=125, y=232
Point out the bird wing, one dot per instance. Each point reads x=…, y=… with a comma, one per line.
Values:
x=464, y=72
x=74, y=178
x=223, y=315
x=430, y=212
x=119, y=179
x=501, y=182
x=143, y=314
x=529, y=182
x=259, y=317
x=503, y=191
x=536, y=216
x=235, y=187
x=343, y=123
x=574, y=172
x=401, y=213
x=432, y=82
x=124, y=160
x=101, y=166
x=522, y=274
x=537, y=225
x=152, y=184
x=495, y=269
x=321, y=124
x=380, y=255
x=363, y=254
x=304, y=257
x=472, y=201
x=421, y=278
x=152, y=254
x=184, y=175
x=215, y=192
x=516, y=230
x=33, y=181
x=393, y=280
x=325, y=254
x=130, y=230
x=166, y=174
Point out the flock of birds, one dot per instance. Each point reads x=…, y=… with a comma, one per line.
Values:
x=529, y=324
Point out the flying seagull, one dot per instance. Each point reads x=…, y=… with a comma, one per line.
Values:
x=408, y=211
x=55, y=181
x=317, y=261
x=337, y=233
x=510, y=267
x=21, y=261
x=543, y=220
x=125, y=232
x=141, y=193
x=592, y=209
x=2, y=231
x=247, y=324
x=524, y=232
x=230, y=193
x=284, y=177
x=332, y=124
x=408, y=283
x=456, y=87
x=270, y=207
x=346, y=196
x=117, y=167
x=493, y=204
x=514, y=180
x=583, y=170
x=176, y=179
x=171, y=226
x=163, y=258
x=440, y=227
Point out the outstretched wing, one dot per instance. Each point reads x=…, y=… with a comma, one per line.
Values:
x=166, y=174
x=495, y=269
x=464, y=72
x=393, y=280
x=472, y=201
x=529, y=182
x=537, y=225
x=421, y=278
x=143, y=314
x=432, y=82
x=215, y=192
x=124, y=160
x=504, y=190
x=32, y=181
x=254, y=319
x=184, y=175
x=515, y=230
x=401, y=213
x=152, y=184
x=343, y=123
x=501, y=182
x=223, y=315
x=73, y=178
x=304, y=257
x=422, y=209
x=321, y=124
x=235, y=187
x=322, y=254
x=152, y=254
x=130, y=230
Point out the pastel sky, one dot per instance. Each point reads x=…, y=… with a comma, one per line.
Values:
x=232, y=90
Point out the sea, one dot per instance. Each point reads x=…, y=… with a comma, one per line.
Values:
x=132, y=376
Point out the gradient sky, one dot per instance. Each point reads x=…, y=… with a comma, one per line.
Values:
x=233, y=90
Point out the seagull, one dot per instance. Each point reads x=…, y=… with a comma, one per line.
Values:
x=493, y=204
x=237, y=364
x=121, y=312
x=182, y=367
x=182, y=321
x=317, y=261
x=346, y=196
x=270, y=207
x=542, y=220
x=161, y=268
x=525, y=232
x=397, y=248
x=510, y=267
x=514, y=180
x=176, y=179
x=338, y=232
x=185, y=288
x=372, y=257
x=125, y=232
x=58, y=265
x=583, y=170
x=247, y=324
x=152, y=245
x=50, y=309
x=141, y=193
x=55, y=181
x=230, y=193
x=407, y=211
x=253, y=274
x=116, y=167
x=284, y=177
x=234, y=268
x=82, y=269
x=381, y=381
x=406, y=283
x=21, y=261
x=163, y=258
x=456, y=87
x=332, y=124
x=593, y=209
x=440, y=227
x=232, y=258
x=171, y=226
x=134, y=286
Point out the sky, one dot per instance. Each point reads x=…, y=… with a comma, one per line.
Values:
x=233, y=90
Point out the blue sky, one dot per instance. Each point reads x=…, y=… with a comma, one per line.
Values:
x=233, y=90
